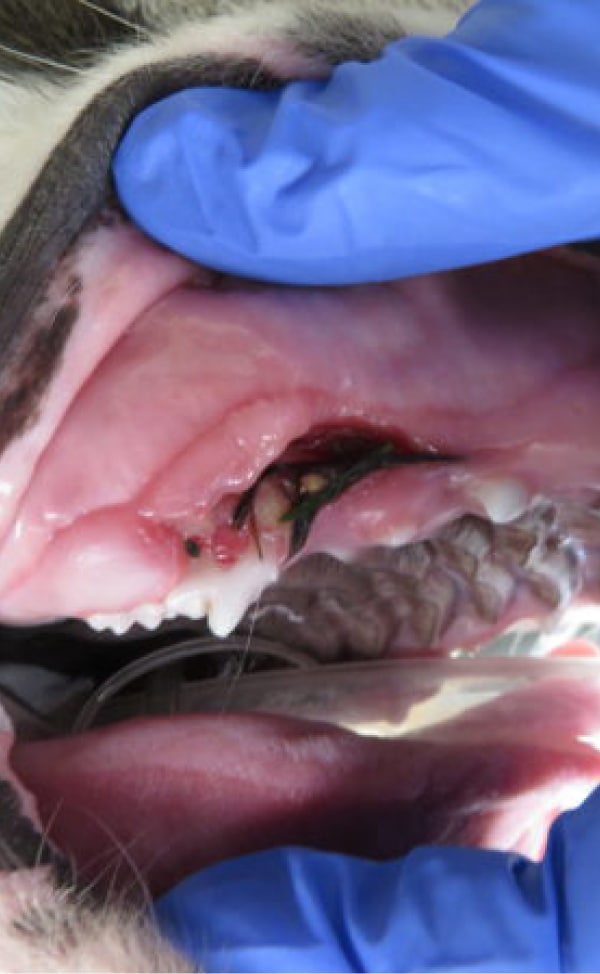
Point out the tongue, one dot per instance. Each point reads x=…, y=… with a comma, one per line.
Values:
x=165, y=797
x=209, y=386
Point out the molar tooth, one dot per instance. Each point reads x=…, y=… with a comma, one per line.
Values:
x=502, y=500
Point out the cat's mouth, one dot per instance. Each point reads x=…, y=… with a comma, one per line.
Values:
x=376, y=473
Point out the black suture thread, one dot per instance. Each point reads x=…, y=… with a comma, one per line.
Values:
x=338, y=480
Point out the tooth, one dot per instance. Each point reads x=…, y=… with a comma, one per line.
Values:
x=232, y=591
x=186, y=600
x=502, y=500
x=119, y=623
x=149, y=616
x=270, y=503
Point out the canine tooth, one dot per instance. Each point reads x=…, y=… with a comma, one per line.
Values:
x=229, y=593
x=502, y=500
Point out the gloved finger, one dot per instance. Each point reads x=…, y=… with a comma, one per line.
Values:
x=440, y=154
x=438, y=909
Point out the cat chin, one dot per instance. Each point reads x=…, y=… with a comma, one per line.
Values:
x=44, y=927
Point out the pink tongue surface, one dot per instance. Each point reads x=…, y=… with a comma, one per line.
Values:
x=168, y=796
x=208, y=386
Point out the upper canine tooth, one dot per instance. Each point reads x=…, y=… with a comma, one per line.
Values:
x=229, y=593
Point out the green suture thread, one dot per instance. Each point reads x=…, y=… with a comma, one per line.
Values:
x=302, y=513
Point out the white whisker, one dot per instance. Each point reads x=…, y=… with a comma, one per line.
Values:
x=45, y=842
x=39, y=59
x=111, y=15
x=122, y=853
x=240, y=668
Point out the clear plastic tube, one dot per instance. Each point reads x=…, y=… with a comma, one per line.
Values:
x=387, y=698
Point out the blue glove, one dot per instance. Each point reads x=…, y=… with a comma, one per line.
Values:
x=440, y=154
x=438, y=909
